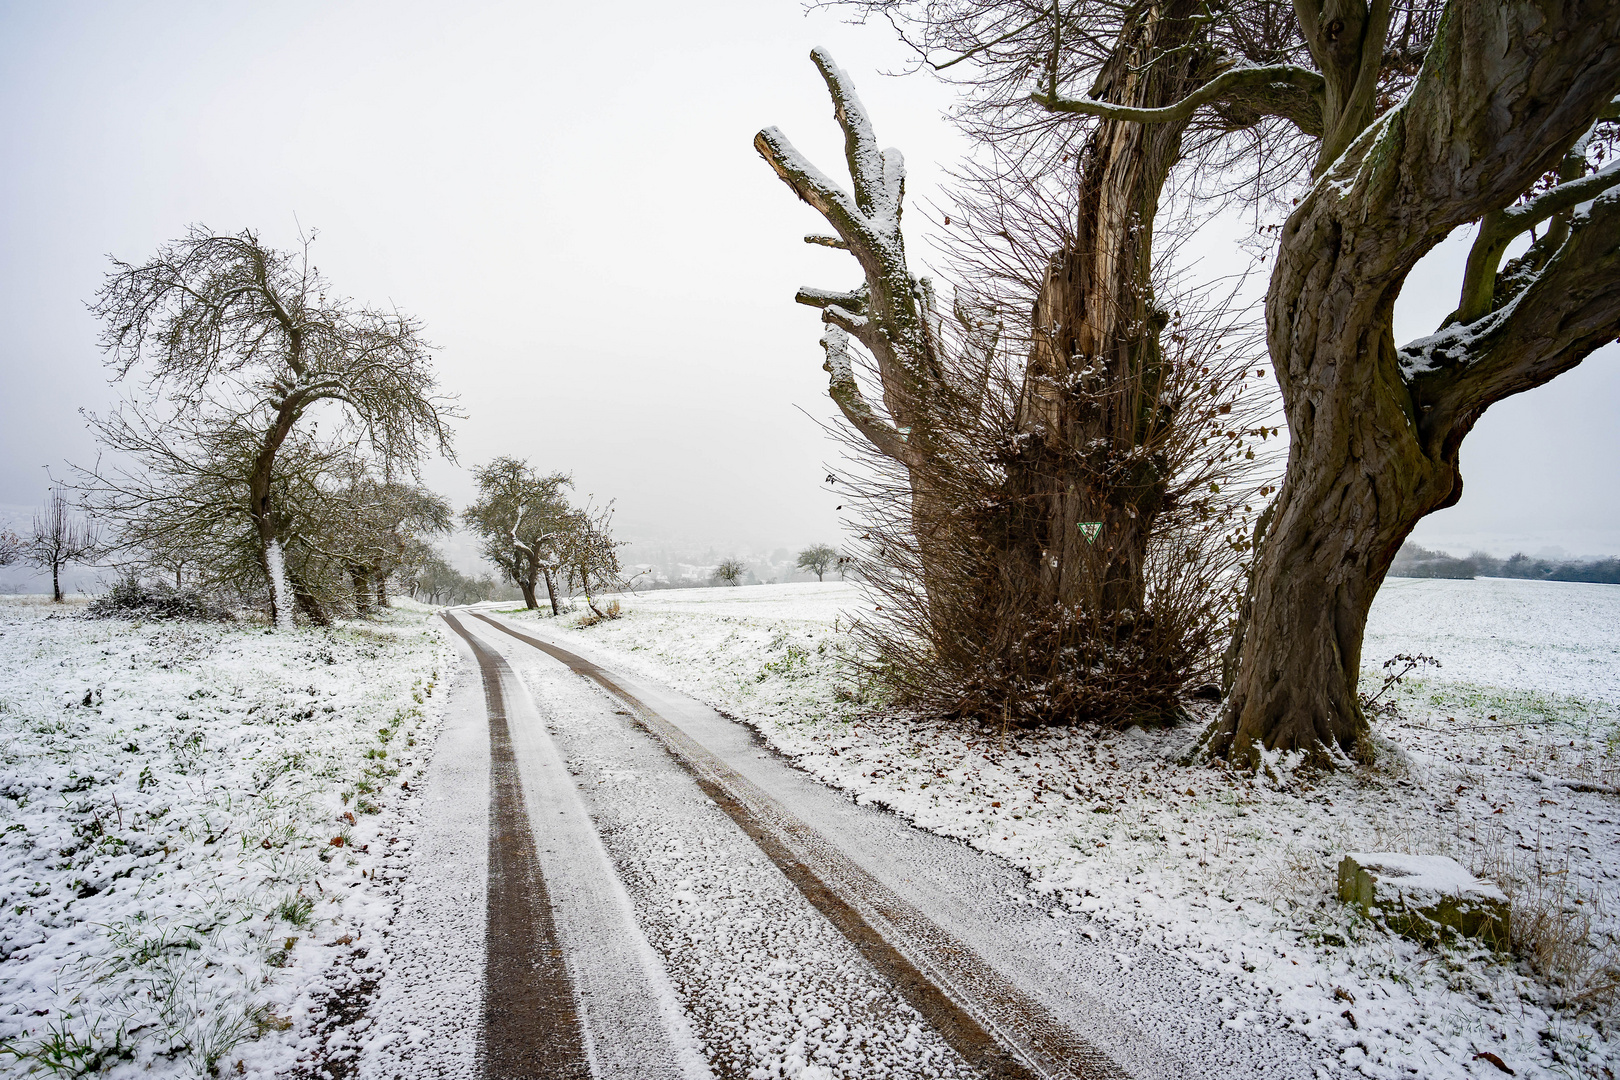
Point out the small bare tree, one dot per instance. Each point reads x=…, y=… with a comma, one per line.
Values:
x=60, y=537
x=522, y=518
x=11, y=548
x=817, y=559
x=590, y=557
x=730, y=571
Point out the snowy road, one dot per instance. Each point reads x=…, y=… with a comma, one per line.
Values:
x=710, y=910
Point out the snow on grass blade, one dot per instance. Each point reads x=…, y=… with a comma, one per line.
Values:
x=188, y=815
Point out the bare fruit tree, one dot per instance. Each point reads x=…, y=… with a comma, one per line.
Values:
x=386, y=524
x=817, y=559
x=590, y=557
x=11, y=548
x=237, y=350
x=522, y=517
x=60, y=537
x=730, y=571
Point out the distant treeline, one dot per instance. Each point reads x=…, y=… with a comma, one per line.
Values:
x=1419, y=562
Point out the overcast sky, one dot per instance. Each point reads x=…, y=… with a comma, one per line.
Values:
x=568, y=197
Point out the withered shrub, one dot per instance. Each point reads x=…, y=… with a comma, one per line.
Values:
x=966, y=621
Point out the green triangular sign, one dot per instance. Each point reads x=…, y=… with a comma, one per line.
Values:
x=1091, y=529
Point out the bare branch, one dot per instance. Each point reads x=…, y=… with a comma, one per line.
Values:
x=1569, y=310
x=844, y=390
x=1237, y=84
x=853, y=300
x=1499, y=228
x=886, y=316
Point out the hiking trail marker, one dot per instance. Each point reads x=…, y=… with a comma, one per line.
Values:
x=1090, y=529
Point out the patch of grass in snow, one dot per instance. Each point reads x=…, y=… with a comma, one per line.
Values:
x=165, y=792
x=68, y=1050
x=295, y=911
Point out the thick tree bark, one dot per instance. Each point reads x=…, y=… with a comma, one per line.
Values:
x=1357, y=482
x=259, y=481
x=1375, y=431
x=1088, y=386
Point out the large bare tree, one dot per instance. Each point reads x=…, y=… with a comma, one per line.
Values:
x=1034, y=508
x=236, y=344
x=1495, y=131
x=1094, y=378
x=1419, y=118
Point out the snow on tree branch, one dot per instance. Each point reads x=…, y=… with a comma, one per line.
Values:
x=885, y=315
x=844, y=390
x=1570, y=308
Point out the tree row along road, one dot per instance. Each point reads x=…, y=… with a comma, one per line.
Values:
x=665, y=897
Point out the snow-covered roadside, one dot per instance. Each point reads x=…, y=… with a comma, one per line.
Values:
x=199, y=827
x=1237, y=873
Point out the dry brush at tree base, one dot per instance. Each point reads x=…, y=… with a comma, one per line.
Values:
x=1053, y=517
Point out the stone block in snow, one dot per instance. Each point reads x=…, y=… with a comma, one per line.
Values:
x=1417, y=895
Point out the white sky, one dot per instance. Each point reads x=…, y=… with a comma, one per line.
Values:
x=568, y=197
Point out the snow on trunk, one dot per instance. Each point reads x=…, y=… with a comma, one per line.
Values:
x=280, y=595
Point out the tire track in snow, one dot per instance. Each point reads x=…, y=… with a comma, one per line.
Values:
x=604, y=1007
x=772, y=987
x=977, y=1010
x=531, y=1026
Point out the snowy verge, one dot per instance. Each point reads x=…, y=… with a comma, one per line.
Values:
x=198, y=826
x=1238, y=873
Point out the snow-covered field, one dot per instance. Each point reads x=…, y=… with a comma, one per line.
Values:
x=1238, y=873
x=199, y=823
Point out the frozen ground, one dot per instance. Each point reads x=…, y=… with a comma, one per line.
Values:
x=203, y=827
x=1559, y=636
x=1236, y=873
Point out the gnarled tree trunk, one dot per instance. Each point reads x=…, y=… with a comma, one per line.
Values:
x=1375, y=431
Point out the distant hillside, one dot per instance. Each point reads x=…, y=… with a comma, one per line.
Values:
x=1416, y=561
